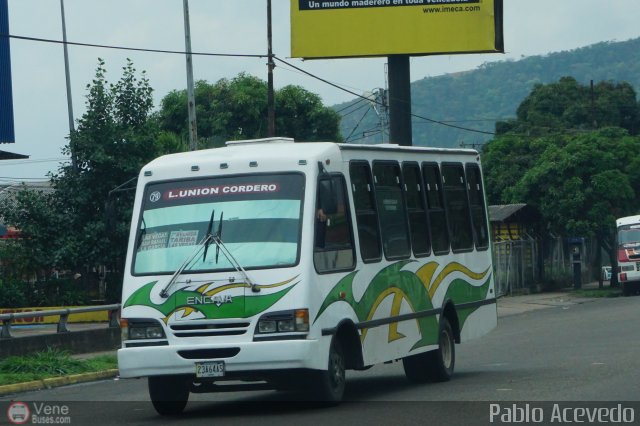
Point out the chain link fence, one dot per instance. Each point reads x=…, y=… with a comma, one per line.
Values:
x=515, y=266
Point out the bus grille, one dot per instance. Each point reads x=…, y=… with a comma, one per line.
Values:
x=209, y=329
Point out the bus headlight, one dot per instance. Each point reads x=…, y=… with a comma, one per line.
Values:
x=294, y=321
x=267, y=326
x=143, y=329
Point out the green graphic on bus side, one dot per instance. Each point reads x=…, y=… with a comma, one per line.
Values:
x=417, y=289
x=209, y=302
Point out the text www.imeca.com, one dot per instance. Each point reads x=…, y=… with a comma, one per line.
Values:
x=449, y=9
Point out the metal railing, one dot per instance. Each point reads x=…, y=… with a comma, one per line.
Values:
x=7, y=319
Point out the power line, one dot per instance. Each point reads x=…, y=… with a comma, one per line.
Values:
x=357, y=124
x=179, y=52
x=135, y=49
x=357, y=109
x=350, y=106
x=380, y=103
x=365, y=135
x=44, y=160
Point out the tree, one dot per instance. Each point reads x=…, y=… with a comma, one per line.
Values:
x=555, y=157
x=237, y=109
x=114, y=138
x=581, y=187
x=570, y=106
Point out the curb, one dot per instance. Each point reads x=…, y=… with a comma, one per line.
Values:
x=54, y=382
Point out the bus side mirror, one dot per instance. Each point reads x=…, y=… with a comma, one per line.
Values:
x=327, y=198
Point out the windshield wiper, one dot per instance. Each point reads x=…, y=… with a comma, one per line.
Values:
x=208, y=235
x=204, y=243
x=220, y=246
x=219, y=235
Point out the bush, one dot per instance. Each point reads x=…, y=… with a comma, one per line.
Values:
x=12, y=294
x=53, y=292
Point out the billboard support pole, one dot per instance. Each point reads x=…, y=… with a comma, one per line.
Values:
x=400, y=100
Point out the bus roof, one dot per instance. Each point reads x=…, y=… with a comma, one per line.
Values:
x=278, y=151
x=628, y=220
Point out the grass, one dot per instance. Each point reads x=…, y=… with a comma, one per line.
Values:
x=50, y=363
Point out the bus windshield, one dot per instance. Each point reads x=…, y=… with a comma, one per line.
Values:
x=629, y=234
x=261, y=223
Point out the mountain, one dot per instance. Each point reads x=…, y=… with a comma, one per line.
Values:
x=477, y=99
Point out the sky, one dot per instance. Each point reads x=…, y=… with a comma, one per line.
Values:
x=237, y=27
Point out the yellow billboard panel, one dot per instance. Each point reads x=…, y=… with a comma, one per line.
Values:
x=351, y=28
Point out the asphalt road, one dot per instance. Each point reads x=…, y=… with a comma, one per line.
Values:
x=571, y=354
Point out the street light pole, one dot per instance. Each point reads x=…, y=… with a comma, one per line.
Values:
x=271, y=109
x=74, y=162
x=191, y=103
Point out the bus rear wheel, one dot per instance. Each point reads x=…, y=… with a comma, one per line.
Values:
x=169, y=394
x=436, y=365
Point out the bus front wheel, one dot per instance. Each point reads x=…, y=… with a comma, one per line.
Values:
x=330, y=383
x=436, y=365
x=169, y=394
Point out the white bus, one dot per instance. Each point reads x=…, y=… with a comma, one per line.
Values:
x=628, y=242
x=288, y=263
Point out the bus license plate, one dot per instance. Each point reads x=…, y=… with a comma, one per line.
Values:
x=210, y=369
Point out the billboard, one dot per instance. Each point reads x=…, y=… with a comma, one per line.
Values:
x=357, y=28
x=7, y=134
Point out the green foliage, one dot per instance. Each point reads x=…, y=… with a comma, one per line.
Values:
x=53, y=292
x=49, y=363
x=569, y=106
x=67, y=228
x=552, y=157
x=237, y=109
x=581, y=183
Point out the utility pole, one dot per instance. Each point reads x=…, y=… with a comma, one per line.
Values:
x=74, y=160
x=271, y=109
x=191, y=103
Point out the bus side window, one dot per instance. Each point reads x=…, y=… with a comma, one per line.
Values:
x=391, y=207
x=476, y=203
x=418, y=222
x=333, y=250
x=457, y=206
x=435, y=206
x=366, y=213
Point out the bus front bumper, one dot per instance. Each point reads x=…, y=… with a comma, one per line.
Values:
x=252, y=356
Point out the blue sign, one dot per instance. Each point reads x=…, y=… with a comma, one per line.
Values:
x=7, y=132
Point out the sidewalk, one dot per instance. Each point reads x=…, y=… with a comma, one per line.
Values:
x=518, y=304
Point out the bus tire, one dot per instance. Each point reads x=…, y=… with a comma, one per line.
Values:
x=436, y=365
x=329, y=384
x=169, y=394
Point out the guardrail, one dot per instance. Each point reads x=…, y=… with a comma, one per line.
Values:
x=7, y=319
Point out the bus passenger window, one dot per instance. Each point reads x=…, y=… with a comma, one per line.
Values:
x=418, y=223
x=333, y=248
x=435, y=205
x=457, y=206
x=366, y=214
x=476, y=202
x=391, y=207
